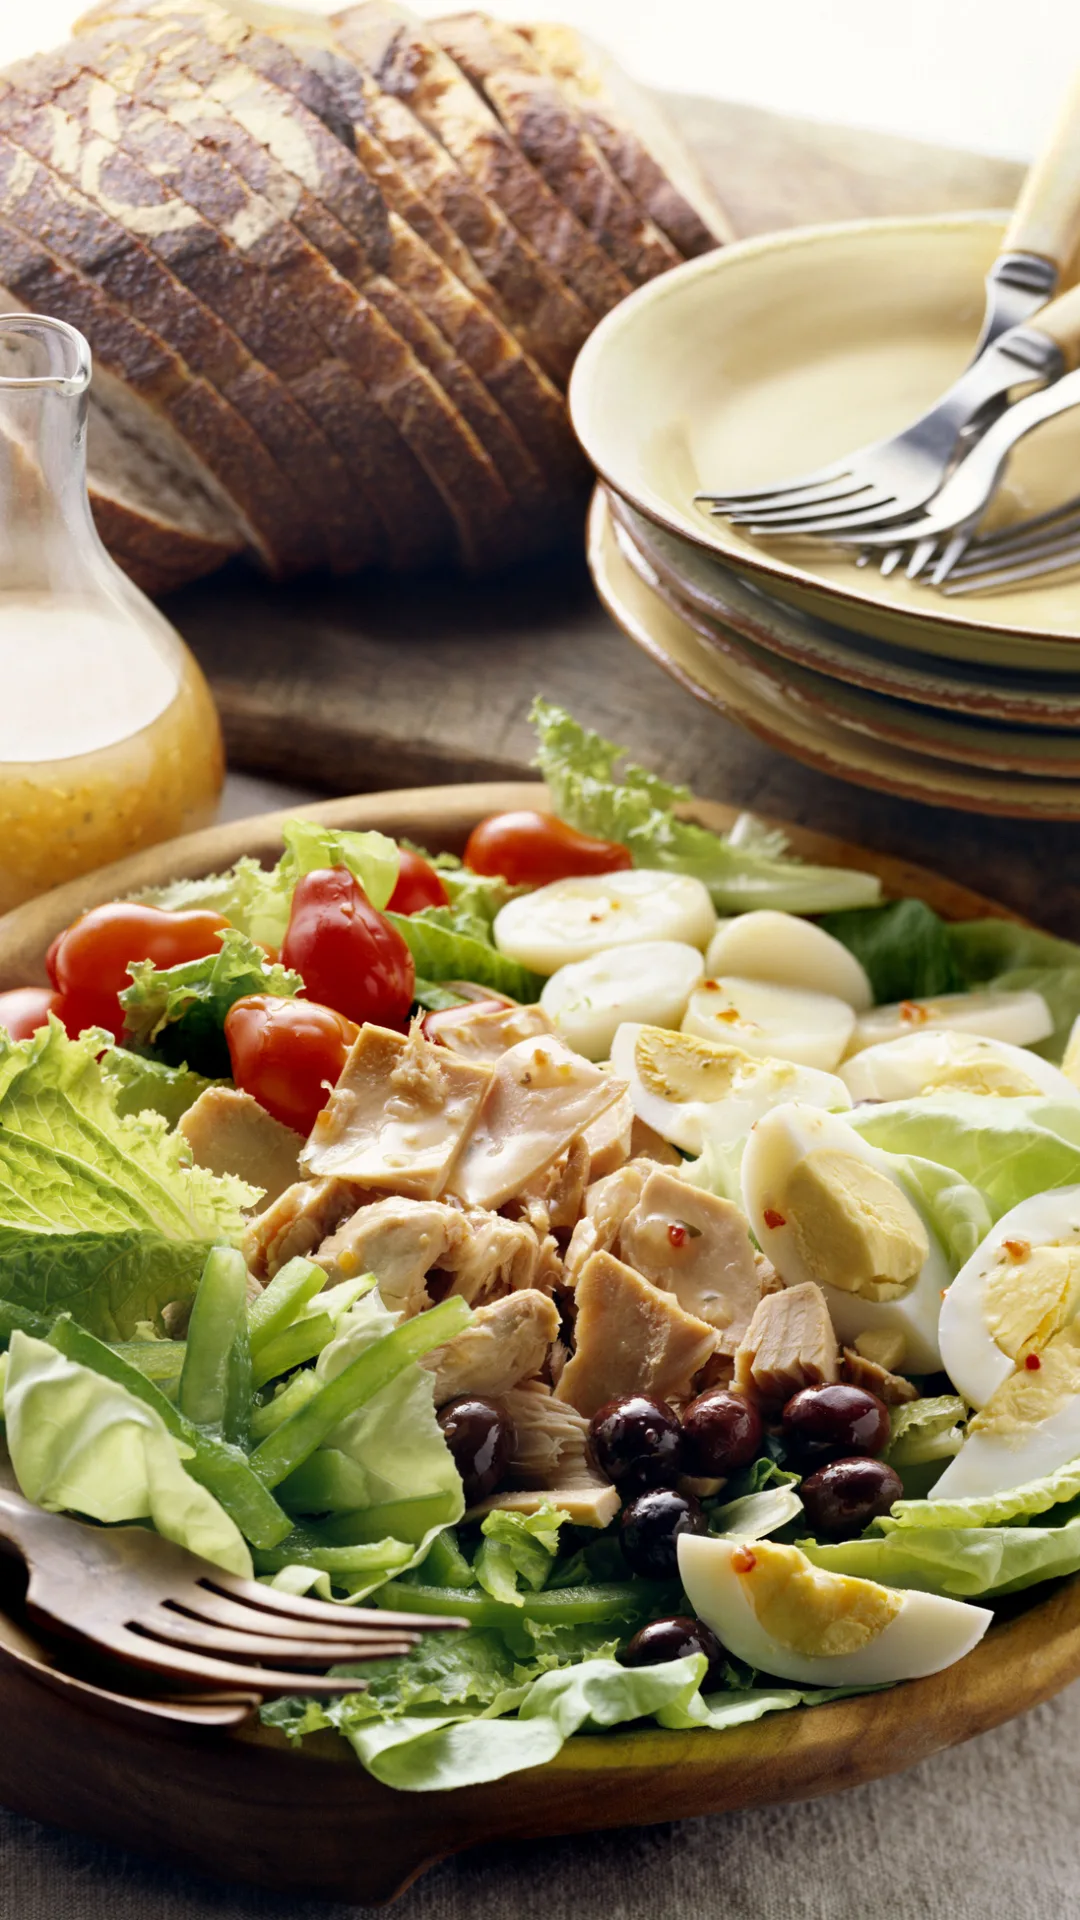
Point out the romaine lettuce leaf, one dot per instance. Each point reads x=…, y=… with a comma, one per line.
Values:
x=904, y=947
x=990, y=1509
x=256, y=900
x=638, y=808
x=446, y=945
x=180, y=1011
x=82, y=1443
x=517, y=1546
x=922, y=1430
x=148, y=1085
x=1005, y=954
x=100, y=1216
x=966, y=1562
x=1008, y=1148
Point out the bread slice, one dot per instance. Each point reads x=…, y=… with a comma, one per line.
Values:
x=636, y=137
x=196, y=81
x=549, y=131
x=198, y=218
x=401, y=55
x=262, y=419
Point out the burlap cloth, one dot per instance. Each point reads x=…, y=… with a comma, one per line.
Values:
x=989, y=1831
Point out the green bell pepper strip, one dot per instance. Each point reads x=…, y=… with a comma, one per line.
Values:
x=222, y=1468
x=295, y=1393
x=159, y=1360
x=624, y=1605
x=301, y=1342
x=277, y=1306
x=298, y=1436
x=210, y=1390
x=444, y=1564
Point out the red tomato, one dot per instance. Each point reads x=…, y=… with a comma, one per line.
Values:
x=287, y=1054
x=435, y=1025
x=529, y=849
x=418, y=885
x=24, y=1009
x=351, y=958
x=88, y=962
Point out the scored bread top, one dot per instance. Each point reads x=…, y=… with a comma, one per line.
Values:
x=551, y=134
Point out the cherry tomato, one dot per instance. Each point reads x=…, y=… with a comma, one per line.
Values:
x=24, y=1009
x=351, y=958
x=287, y=1054
x=88, y=962
x=529, y=849
x=418, y=885
x=435, y=1025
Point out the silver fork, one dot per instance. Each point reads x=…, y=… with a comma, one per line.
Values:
x=895, y=477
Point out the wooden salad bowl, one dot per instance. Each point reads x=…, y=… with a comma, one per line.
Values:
x=245, y=1806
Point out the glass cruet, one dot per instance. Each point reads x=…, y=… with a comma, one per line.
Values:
x=109, y=740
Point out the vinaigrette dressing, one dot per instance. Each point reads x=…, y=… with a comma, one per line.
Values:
x=109, y=740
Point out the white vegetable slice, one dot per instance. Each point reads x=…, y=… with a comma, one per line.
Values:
x=771, y=1022
x=934, y=1060
x=791, y=952
x=572, y=919
x=1020, y=1017
x=590, y=999
x=689, y=1090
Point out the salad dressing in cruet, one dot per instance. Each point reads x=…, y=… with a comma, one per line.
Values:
x=109, y=740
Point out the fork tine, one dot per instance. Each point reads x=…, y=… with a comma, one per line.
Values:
x=1046, y=549
x=1034, y=527
x=954, y=550
x=892, y=558
x=1012, y=576
x=181, y=1664
x=215, y=1610
x=818, y=497
x=1025, y=540
x=880, y=511
x=780, y=489
x=301, y=1608
x=178, y=1630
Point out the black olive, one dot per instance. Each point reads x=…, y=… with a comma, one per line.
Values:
x=722, y=1431
x=637, y=1442
x=820, y=1423
x=481, y=1438
x=843, y=1497
x=670, y=1639
x=650, y=1530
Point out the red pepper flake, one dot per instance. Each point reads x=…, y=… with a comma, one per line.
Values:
x=774, y=1219
x=676, y=1233
x=743, y=1560
x=911, y=1011
x=1017, y=1249
x=1033, y=1363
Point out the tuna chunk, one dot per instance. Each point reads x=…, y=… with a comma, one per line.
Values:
x=399, y=1115
x=890, y=1387
x=560, y=1189
x=630, y=1338
x=551, y=1439
x=399, y=1241
x=298, y=1222
x=498, y=1256
x=790, y=1343
x=607, y=1204
x=697, y=1247
x=609, y=1138
x=229, y=1132
x=587, y=1506
x=540, y=1096
x=485, y=1035
x=505, y=1342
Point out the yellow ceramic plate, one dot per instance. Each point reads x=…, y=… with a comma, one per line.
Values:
x=772, y=356
x=720, y=597
x=779, y=716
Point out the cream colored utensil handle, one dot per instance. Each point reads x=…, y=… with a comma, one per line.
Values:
x=1061, y=321
x=1047, y=217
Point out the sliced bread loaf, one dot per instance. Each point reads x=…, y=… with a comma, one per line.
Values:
x=551, y=133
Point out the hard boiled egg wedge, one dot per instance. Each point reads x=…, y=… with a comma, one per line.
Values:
x=1010, y=1341
x=590, y=999
x=790, y=952
x=779, y=1023
x=1020, y=1017
x=828, y=1207
x=572, y=919
x=933, y=1060
x=770, y=1606
x=690, y=1090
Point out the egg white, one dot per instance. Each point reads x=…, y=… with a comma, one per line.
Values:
x=1021, y=1017
x=906, y=1068
x=649, y=983
x=791, y=952
x=974, y=1362
x=774, y=1022
x=757, y=1086
x=780, y=1139
x=926, y=1635
x=571, y=919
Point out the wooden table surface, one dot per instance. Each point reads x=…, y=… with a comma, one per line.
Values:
x=373, y=682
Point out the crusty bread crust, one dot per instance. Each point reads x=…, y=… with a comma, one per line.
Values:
x=548, y=130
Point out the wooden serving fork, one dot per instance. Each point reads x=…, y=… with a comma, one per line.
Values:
x=130, y=1594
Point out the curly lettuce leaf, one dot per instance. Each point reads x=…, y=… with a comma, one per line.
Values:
x=82, y=1443
x=148, y=1085
x=180, y=1011
x=990, y=1509
x=101, y=1216
x=1007, y=1148
x=637, y=808
x=446, y=946
x=903, y=946
x=256, y=900
x=925, y=1430
x=517, y=1547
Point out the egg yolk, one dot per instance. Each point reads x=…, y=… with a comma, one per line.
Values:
x=809, y=1611
x=980, y=1073
x=853, y=1226
x=679, y=1066
x=1028, y=1397
x=1027, y=1301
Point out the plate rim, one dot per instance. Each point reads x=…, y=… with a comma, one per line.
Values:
x=752, y=562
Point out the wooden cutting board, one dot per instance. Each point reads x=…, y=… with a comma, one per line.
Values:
x=373, y=683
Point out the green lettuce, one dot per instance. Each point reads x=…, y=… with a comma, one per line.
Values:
x=256, y=900
x=967, y=1562
x=180, y=1011
x=448, y=945
x=746, y=868
x=755, y=1515
x=1007, y=1148
x=925, y=1430
x=990, y=1509
x=101, y=1216
x=80, y=1442
x=1003, y=953
x=904, y=947
x=144, y=1084
x=517, y=1547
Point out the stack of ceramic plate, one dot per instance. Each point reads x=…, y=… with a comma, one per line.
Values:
x=768, y=359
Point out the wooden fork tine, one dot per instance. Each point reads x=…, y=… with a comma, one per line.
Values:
x=214, y=1608
x=232, y=1675
x=301, y=1608
x=175, y=1630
